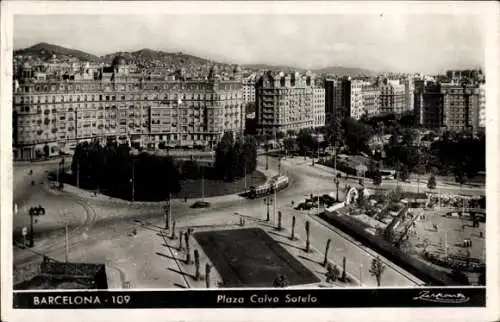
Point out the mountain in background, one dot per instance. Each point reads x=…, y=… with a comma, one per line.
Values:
x=345, y=71
x=273, y=68
x=146, y=56
x=46, y=51
x=149, y=55
x=335, y=70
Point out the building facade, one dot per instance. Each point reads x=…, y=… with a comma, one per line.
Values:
x=460, y=106
x=482, y=106
x=392, y=97
x=318, y=107
x=428, y=104
x=330, y=99
x=283, y=103
x=409, y=85
x=370, y=95
x=119, y=104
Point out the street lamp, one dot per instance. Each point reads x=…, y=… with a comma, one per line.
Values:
x=336, y=180
x=34, y=211
x=268, y=201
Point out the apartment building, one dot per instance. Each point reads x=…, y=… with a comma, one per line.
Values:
x=283, y=102
x=119, y=104
x=392, y=97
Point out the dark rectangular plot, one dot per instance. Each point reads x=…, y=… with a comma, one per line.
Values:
x=251, y=258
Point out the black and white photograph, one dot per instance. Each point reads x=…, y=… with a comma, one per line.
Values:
x=266, y=158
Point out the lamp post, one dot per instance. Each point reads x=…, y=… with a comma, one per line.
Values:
x=168, y=212
x=34, y=211
x=268, y=202
x=133, y=180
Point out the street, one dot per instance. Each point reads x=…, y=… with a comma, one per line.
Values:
x=101, y=227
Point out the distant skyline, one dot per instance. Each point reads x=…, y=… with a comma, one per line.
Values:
x=427, y=43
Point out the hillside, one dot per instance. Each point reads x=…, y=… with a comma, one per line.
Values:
x=45, y=51
x=149, y=55
x=149, y=58
x=336, y=70
x=344, y=71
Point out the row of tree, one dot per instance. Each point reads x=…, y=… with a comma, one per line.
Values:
x=235, y=157
x=114, y=170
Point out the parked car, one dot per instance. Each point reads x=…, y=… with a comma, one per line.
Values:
x=200, y=204
x=304, y=206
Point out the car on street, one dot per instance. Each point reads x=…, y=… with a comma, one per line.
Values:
x=200, y=204
x=307, y=205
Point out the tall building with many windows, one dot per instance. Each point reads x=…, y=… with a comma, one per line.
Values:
x=370, y=96
x=318, y=107
x=115, y=103
x=283, y=102
x=392, y=97
x=428, y=104
x=460, y=106
x=409, y=86
x=331, y=86
x=482, y=106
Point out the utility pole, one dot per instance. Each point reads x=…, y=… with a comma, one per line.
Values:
x=245, y=169
x=202, y=185
x=32, y=232
x=268, y=201
x=274, y=214
x=133, y=180
x=58, y=171
x=78, y=174
x=168, y=212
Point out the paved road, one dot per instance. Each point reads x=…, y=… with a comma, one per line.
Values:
x=113, y=221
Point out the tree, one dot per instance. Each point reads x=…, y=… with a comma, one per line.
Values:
x=361, y=201
x=188, y=250
x=403, y=173
x=344, y=273
x=197, y=264
x=305, y=141
x=460, y=176
x=356, y=135
x=431, y=183
x=191, y=169
x=377, y=269
x=46, y=150
x=328, y=242
x=222, y=154
x=208, y=270
x=332, y=273
x=289, y=144
x=377, y=178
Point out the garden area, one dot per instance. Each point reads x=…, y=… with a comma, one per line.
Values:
x=404, y=227
x=251, y=258
x=116, y=171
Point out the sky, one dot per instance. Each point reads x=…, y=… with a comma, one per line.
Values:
x=400, y=43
